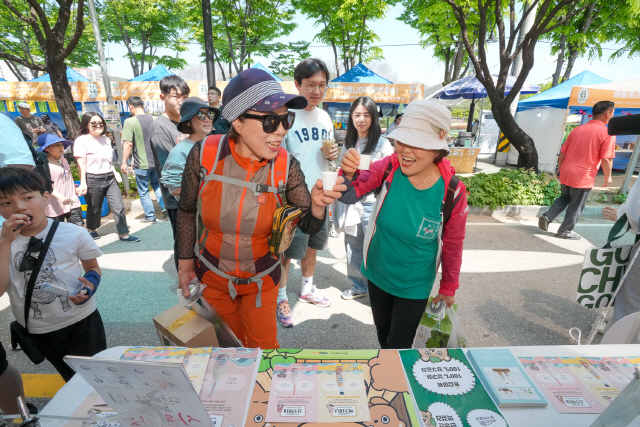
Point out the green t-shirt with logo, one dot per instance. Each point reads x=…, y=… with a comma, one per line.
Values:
x=403, y=251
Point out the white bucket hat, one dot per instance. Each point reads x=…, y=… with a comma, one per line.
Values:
x=425, y=124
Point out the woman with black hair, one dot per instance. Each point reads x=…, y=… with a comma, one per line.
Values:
x=94, y=154
x=363, y=134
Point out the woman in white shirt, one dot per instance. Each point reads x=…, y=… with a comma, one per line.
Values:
x=363, y=134
x=94, y=154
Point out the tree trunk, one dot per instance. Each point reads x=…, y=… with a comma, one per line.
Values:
x=528, y=158
x=14, y=69
x=64, y=98
x=560, y=62
x=573, y=55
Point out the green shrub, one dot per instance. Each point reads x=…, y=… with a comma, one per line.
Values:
x=511, y=187
x=620, y=198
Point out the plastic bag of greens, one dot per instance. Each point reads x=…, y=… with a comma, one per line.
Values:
x=445, y=333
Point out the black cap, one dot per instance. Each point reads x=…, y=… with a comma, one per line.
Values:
x=190, y=108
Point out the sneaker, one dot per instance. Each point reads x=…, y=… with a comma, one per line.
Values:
x=569, y=235
x=95, y=235
x=131, y=239
x=165, y=215
x=543, y=223
x=148, y=220
x=283, y=314
x=314, y=298
x=351, y=294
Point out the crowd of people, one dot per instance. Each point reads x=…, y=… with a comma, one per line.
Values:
x=220, y=170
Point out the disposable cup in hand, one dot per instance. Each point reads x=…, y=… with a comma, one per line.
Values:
x=327, y=146
x=365, y=162
x=329, y=180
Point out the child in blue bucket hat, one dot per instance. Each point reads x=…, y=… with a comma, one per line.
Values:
x=65, y=204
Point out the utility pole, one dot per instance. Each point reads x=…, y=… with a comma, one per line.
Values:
x=107, y=86
x=208, y=43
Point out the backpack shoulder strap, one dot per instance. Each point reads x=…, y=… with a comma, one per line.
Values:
x=448, y=202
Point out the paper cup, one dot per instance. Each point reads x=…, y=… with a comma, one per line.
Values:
x=329, y=180
x=365, y=162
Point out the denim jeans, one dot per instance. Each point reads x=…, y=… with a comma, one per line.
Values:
x=354, y=246
x=144, y=178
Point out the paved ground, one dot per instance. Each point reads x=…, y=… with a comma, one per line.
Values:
x=518, y=287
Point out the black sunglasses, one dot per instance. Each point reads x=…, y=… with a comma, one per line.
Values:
x=271, y=122
x=29, y=262
x=201, y=115
x=96, y=125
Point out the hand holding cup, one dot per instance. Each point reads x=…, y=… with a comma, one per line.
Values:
x=350, y=163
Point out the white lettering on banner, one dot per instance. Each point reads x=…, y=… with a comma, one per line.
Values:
x=602, y=270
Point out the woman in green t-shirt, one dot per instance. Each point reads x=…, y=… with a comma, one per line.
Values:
x=412, y=228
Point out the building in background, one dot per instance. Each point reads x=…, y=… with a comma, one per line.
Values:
x=93, y=75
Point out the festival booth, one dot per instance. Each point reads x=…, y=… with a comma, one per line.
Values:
x=8, y=104
x=543, y=117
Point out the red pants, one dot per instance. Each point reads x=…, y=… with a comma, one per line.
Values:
x=255, y=327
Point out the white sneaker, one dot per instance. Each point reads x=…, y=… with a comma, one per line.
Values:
x=351, y=294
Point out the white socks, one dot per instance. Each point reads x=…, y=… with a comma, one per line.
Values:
x=282, y=294
x=307, y=285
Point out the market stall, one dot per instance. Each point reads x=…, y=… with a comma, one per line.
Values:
x=564, y=386
x=542, y=117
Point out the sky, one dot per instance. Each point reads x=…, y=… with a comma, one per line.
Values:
x=413, y=63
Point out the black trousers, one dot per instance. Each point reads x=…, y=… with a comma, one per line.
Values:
x=99, y=186
x=574, y=201
x=84, y=338
x=173, y=215
x=396, y=318
x=74, y=216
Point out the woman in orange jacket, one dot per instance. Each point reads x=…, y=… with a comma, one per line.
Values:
x=231, y=187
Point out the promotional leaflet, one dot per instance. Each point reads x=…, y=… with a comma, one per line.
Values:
x=194, y=360
x=388, y=399
x=504, y=378
x=160, y=391
x=560, y=386
x=447, y=391
x=618, y=371
x=228, y=384
x=318, y=392
x=601, y=388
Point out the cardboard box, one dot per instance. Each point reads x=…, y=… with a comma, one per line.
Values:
x=182, y=327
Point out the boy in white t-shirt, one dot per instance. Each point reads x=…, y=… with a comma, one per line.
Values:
x=304, y=142
x=60, y=322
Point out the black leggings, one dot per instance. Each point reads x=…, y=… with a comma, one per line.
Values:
x=396, y=318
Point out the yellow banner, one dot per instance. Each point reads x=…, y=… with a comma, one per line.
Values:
x=587, y=97
x=150, y=91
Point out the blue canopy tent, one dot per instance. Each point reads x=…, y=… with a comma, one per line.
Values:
x=72, y=76
x=471, y=88
x=153, y=75
x=358, y=74
x=2, y=80
x=259, y=66
x=542, y=117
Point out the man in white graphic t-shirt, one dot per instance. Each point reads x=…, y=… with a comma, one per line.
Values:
x=304, y=142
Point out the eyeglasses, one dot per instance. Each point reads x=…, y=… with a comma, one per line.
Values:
x=321, y=88
x=96, y=125
x=201, y=115
x=29, y=262
x=271, y=122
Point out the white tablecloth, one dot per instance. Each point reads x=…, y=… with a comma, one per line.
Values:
x=76, y=390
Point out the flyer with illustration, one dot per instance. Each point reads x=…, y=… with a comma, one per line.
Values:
x=318, y=392
x=617, y=370
x=559, y=384
x=194, y=360
x=386, y=396
x=600, y=386
x=447, y=391
x=228, y=384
